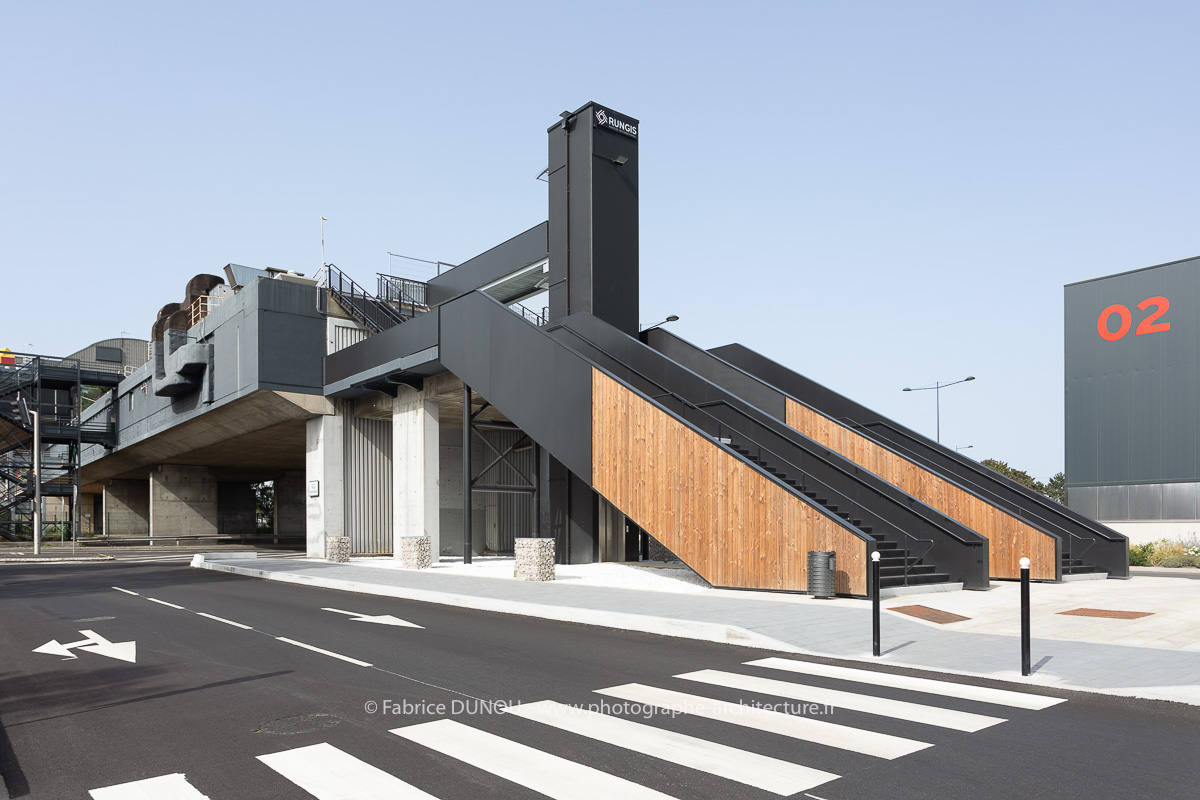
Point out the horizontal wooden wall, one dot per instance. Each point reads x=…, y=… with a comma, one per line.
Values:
x=1009, y=538
x=722, y=517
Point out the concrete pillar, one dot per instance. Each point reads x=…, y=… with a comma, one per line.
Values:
x=325, y=483
x=415, y=469
x=290, y=506
x=237, y=509
x=183, y=501
x=126, y=508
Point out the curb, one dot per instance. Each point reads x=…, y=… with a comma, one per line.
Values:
x=664, y=626
x=55, y=559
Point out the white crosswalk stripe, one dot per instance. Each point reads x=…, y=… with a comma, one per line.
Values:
x=868, y=704
x=523, y=765
x=164, y=787
x=328, y=773
x=752, y=769
x=880, y=745
x=963, y=691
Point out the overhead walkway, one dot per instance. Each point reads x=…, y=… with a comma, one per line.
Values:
x=1017, y=522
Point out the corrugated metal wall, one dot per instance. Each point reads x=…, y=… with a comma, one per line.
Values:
x=507, y=516
x=367, y=462
x=345, y=335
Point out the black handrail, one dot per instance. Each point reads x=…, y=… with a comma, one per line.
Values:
x=760, y=425
x=403, y=291
x=1042, y=501
x=363, y=306
x=752, y=420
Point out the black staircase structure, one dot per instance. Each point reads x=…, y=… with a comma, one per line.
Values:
x=398, y=299
x=921, y=545
x=47, y=395
x=1086, y=545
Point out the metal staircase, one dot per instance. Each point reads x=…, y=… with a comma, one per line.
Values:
x=41, y=399
x=398, y=300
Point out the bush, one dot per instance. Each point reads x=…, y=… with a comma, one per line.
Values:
x=1181, y=561
x=1140, y=554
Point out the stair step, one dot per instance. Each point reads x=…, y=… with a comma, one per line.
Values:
x=915, y=569
x=913, y=580
x=883, y=544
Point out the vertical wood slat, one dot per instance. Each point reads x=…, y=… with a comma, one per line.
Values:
x=732, y=524
x=1009, y=538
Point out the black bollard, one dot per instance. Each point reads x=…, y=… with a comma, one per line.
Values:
x=875, y=603
x=1025, y=668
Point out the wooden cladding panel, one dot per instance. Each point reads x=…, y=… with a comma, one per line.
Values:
x=732, y=524
x=1008, y=537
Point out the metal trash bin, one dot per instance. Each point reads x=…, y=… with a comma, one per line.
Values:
x=822, y=573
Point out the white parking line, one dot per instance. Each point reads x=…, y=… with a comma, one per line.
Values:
x=226, y=621
x=752, y=769
x=328, y=773
x=843, y=737
x=324, y=652
x=523, y=765
x=868, y=704
x=164, y=787
x=963, y=691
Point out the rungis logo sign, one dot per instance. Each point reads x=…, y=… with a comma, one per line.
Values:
x=614, y=123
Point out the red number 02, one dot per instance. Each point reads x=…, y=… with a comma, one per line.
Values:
x=1148, y=325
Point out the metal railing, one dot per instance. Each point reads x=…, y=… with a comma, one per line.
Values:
x=201, y=308
x=529, y=315
x=404, y=293
x=365, y=307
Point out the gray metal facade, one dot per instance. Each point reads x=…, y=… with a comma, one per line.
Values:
x=367, y=465
x=1132, y=381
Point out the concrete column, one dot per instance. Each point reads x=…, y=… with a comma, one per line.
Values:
x=183, y=501
x=415, y=469
x=126, y=508
x=290, y=506
x=325, y=482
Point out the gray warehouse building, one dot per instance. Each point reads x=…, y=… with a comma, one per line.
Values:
x=1132, y=381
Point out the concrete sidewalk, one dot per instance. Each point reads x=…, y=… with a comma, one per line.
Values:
x=1165, y=666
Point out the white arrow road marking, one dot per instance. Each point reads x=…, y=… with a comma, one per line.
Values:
x=381, y=619
x=94, y=643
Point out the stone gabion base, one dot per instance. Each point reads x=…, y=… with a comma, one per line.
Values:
x=337, y=549
x=535, y=559
x=656, y=552
x=415, y=552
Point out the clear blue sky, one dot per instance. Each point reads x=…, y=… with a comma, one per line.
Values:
x=878, y=195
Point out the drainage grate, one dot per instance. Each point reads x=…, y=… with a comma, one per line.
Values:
x=929, y=614
x=1105, y=613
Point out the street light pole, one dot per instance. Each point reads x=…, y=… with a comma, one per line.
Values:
x=937, y=390
x=323, y=221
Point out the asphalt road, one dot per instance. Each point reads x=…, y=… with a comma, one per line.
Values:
x=205, y=698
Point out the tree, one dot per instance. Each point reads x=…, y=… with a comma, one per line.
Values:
x=1055, y=489
x=264, y=504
